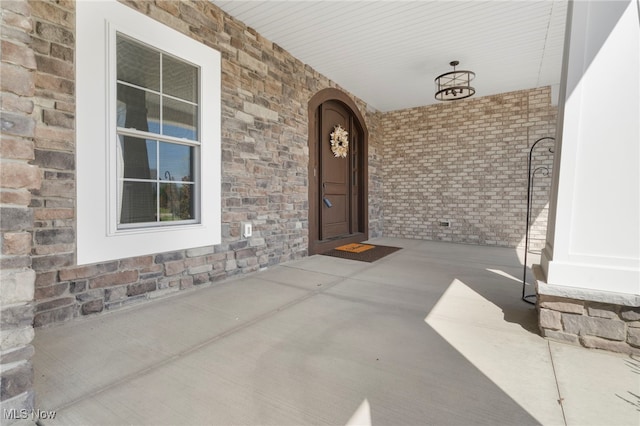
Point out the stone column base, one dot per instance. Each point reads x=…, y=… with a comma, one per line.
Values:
x=593, y=319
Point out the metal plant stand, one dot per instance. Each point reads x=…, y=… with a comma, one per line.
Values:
x=544, y=171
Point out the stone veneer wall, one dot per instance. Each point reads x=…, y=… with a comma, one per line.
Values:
x=466, y=162
x=265, y=92
x=17, y=178
x=597, y=325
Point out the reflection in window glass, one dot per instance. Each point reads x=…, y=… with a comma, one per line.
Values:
x=139, y=158
x=138, y=109
x=156, y=93
x=180, y=119
x=138, y=64
x=145, y=163
x=176, y=201
x=138, y=202
x=179, y=79
x=176, y=162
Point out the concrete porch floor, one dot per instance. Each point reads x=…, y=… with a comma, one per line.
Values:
x=433, y=334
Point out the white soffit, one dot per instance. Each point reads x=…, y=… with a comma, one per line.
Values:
x=388, y=53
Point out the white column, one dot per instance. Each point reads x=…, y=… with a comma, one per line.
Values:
x=593, y=237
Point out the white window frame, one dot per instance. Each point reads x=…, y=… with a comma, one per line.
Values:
x=98, y=236
x=114, y=166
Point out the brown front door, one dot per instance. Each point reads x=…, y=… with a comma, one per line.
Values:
x=335, y=208
x=337, y=193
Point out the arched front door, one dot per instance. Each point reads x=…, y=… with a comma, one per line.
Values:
x=337, y=184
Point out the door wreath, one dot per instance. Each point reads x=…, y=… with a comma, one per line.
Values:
x=339, y=142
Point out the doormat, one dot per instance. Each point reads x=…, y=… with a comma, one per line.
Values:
x=355, y=247
x=369, y=254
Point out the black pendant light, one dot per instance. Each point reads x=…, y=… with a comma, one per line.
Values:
x=454, y=85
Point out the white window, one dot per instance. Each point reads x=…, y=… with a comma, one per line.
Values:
x=158, y=137
x=148, y=136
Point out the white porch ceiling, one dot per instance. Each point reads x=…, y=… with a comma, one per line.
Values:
x=388, y=53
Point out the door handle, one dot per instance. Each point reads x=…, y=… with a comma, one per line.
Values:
x=325, y=200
